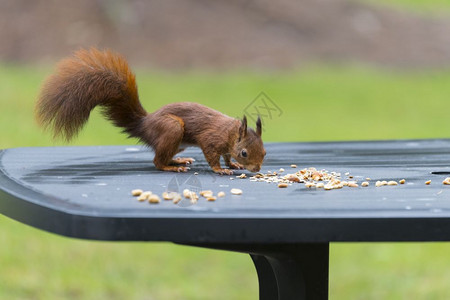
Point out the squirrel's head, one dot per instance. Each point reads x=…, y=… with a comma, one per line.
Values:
x=249, y=149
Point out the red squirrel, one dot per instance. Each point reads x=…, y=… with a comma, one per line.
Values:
x=93, y=78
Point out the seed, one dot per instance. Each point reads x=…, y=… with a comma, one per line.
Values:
x=392, y=182
x=242, y=176
x=293, y=166
x=194, y=200
x=344, y=183
x=352, y=184
x=328, y=187
x=206, y=194
x=142, y=197
x=310, y=184
x=176, y=198
x=378, y=183
x=428, y=182
x=236, y=191
x=281, y=170
x=283, y=185
x=402, y=181
x=195, y=173
x=220, y=194
x=169, y=195
x=320, y=185
x=136, y=192
x=189, y=194
x=351, y=177
x=347, y=173
x=154, y=198
x=368, y=179
x=211, y=198
x=446, y=181
x=293, y=178
x=365, y=183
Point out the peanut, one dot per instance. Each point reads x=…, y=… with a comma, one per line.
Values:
x=136, y=192
x=154, y=199
x=236, y=191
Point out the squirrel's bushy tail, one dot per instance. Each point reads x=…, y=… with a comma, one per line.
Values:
x=83, y=81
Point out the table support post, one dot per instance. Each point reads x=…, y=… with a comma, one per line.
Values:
x=287, y=271
x=293, y=272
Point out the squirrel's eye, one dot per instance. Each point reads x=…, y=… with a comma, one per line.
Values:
x=244, y=153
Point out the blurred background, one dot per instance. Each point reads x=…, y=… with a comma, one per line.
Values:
x=336, y=69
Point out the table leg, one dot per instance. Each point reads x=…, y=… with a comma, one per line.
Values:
x=287, y=271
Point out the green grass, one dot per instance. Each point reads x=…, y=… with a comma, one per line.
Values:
x=427, y=7
x=317, y=103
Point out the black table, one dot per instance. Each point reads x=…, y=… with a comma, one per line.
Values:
x=84, y=192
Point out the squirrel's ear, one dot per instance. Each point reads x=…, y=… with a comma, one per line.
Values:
x=258, y=126
x=243, y=128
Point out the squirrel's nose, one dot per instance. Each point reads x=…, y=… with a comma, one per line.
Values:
x=256, y=169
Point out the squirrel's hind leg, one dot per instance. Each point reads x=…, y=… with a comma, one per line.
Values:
x=182, y=161
x=169, y=132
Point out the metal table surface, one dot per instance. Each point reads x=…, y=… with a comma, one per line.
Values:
x=84, y=192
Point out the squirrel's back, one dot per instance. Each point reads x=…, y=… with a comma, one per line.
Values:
x=83, y=81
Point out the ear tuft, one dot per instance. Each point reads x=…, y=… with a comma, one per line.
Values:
x=243, y=128
x=258, y=126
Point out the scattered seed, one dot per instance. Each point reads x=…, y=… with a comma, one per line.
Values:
x=347, y=173
x=283, y=185
x=195, y=173
x=142, y=198
x=310, y=184
x=378, y=183
x=242, y=176
x=220, y=194
x=402, y=181
x=365, y=183
x=206, y=194
x=428, y=182
x=176, y=198
x=320, y=185
x=153, y=198
x=211, y=198
x=168, y=195
x=136, y=192
x=446, y=181
x=281, y=170
x=352, y=184
x=368, y=179
x=236, y=191
x=293, y=166
x=392, y=182
x=293, y=178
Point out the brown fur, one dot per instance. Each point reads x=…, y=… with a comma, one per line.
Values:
x=102, y=78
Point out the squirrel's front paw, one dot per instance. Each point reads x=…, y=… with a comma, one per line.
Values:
x=223, y=171
x=234, y=165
